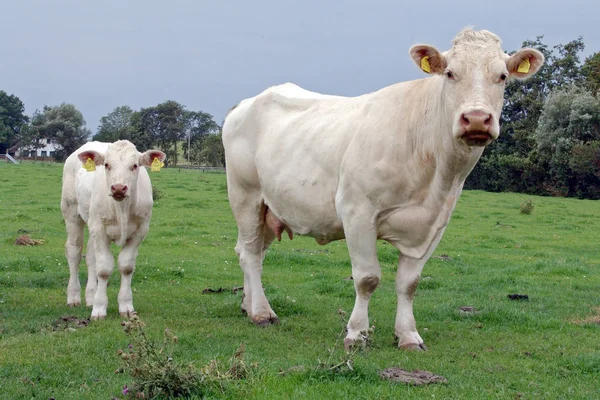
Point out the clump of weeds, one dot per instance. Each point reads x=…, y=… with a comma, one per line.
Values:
x=156, y=374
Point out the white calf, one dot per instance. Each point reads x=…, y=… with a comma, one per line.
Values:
x=105, y=187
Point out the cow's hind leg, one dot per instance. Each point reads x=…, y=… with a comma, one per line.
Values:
x=73, y=246
x=253, y=240
x=268, y=237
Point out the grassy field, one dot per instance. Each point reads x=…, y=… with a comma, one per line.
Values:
x=547, y=347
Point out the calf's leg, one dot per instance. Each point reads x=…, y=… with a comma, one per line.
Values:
x=73, y=246
x=105, y=264
x=92, y=281
x=126, y=265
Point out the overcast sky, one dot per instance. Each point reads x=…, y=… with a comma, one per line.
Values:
x=209, y=55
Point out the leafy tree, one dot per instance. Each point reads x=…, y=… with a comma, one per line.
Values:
x=213, y=153
x=116, y=125
x=145, y=131
x=199, y=126
x=170, y=121
x=512, y=163
x=12, y=120
x=567, y=135
x=591, y=72
x=65, y=126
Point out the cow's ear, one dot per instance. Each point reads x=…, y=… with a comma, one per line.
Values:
x=524, y=63
x=97, y=158
x=428, y=58
x=149, y=156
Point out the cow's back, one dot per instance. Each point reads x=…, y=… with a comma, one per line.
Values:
x=288, y=143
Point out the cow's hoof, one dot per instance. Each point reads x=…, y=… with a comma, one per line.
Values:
x=266, y=321
x=413, y=346
x=98, y=318
x=350, y=343
x=127, y=314
x=74, y=304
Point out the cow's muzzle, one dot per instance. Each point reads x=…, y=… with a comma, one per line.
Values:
x=118, y=191
x=477, y=127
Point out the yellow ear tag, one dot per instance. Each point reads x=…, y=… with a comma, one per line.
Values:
x=89, y=165
x=425, y=64
x=156, y=165
x=524, y=66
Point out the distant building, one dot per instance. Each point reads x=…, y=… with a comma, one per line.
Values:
x=47, y=149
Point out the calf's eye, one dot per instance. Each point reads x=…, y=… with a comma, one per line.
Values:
x=134, y=167
x=503, y=77
x=449, y=74
x=106, y=166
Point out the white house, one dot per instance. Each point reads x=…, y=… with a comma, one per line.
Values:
x=46, y=149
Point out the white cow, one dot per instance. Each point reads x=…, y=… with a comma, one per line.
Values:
x=114, y=199
x=385, y=165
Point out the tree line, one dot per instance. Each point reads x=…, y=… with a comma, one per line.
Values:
x=549, y=142
x=168, y=126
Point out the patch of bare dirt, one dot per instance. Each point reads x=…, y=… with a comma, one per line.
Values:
x=67, y=322
x=443, y=257
x=233, y=290
x=416, y=377
x=592, y=319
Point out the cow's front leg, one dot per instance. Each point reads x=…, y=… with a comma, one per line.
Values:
x=105, y=264
x=126, y=265
x=407, y=279
x=366, y=272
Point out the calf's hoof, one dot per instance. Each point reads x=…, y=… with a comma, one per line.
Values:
x=98, y=317
x=74, y=304
x=413, y=346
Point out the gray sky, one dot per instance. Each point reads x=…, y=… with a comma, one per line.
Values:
x=209, y=55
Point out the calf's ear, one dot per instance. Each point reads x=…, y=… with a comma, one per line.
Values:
x=150, y=155
x=524, y=63
x=428, y=58
x=97, y=158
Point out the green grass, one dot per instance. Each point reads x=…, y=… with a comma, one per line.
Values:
x=506, y=350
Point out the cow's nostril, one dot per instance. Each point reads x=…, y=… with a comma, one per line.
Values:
x=488, y=121
x=465, y=120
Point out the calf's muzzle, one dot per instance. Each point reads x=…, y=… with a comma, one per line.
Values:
x=118, y=191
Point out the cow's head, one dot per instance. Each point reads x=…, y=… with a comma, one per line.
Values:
x=121, y=163
x=474, y=73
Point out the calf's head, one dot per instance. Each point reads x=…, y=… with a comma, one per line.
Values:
x=473, y=75
x=121, y=163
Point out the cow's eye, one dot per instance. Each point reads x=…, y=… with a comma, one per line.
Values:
x=106, y=166
x=503, y=77
x=134, y=167
x=449, y=74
